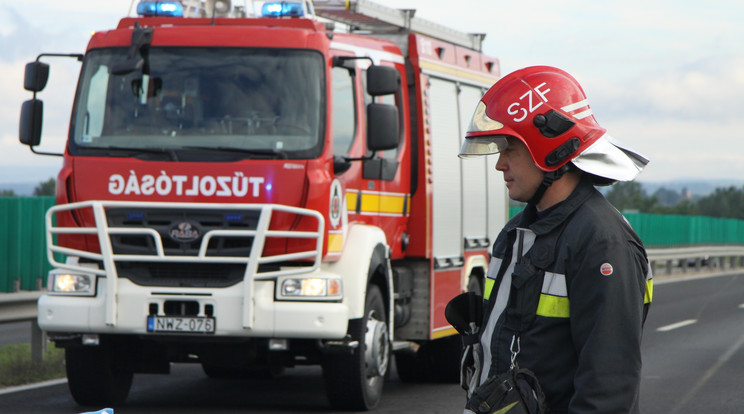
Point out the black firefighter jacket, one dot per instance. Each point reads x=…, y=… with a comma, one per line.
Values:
x=577, y=291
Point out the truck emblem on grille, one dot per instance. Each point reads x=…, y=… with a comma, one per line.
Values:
x=184, y=232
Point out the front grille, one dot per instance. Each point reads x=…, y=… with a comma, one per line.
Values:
x=181, y=274
x=189, y=227
x=291, y=241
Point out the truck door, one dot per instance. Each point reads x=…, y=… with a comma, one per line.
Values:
x=345, y=132
x=387, y=176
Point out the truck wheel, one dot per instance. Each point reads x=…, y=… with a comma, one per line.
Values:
x=354, y=381
x=410, y=368
x=444, y=354
x=93, y=378
x=435, y=361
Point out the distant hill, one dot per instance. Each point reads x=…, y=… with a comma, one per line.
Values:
x=698, y=187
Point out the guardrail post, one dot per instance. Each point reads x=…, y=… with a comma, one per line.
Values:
x=38, y=343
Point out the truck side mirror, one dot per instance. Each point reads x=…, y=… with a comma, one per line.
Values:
x=382, y=127
x=36, y=76
x=382, y=80
x=29, y=129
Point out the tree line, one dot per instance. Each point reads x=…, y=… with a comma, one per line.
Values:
x=726, y=202
x=722, y=202
x=45, y=188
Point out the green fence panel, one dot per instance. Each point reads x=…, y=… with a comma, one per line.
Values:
x=674, y=230
x=671, y=230
x=23, y=259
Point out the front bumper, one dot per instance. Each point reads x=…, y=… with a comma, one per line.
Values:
x=270, y=318
x=245, y=308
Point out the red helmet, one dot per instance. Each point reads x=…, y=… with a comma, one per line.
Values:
x=547, y=109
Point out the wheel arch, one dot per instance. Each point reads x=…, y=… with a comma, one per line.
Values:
x=475, y=266
x=364, y=260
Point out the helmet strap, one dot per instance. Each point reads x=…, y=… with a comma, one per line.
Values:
x=548, y=179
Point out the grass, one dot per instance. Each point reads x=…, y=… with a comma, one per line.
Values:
x=16, y=367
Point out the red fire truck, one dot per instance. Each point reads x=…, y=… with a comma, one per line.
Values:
x=252, y=192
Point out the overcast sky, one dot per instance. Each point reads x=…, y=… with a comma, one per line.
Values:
x=664, y=76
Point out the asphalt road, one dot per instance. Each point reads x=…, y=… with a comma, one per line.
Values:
x=693, y=347
x=693, y=350
x=187, y=390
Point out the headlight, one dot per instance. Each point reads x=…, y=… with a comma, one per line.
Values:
x=72, y=284
x=319, y=288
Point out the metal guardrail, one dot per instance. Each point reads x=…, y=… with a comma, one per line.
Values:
x=697, y=256
x=680, y=253
x=20, y=307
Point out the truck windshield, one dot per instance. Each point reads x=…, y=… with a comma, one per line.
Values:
x=201, y=104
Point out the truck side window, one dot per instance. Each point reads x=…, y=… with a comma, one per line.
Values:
x=95, y=108
x=344, y=114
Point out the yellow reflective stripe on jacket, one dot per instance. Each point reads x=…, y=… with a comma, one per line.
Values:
x=493, y=269
x=554, y=297
x=649, y=296
x=489, y=287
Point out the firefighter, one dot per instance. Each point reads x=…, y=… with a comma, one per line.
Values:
x=569, y=285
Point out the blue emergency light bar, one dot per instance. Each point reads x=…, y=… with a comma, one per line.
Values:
x=282, y=9
x=160, y=9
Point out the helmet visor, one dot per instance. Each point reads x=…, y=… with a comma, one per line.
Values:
x=480, y=146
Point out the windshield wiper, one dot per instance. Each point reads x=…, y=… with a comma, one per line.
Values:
x=260, y=152
x=152, y=150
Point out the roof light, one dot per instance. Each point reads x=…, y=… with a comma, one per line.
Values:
x=282, y=9
x=160, y=8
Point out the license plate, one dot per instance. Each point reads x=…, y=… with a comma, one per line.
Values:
x=183, y=324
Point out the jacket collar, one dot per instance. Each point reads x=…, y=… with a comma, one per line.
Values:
x=557, y=214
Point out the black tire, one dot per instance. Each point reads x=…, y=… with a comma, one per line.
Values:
x=93, y=378
x=352, y=382
x=437, y=360
x=410, y=368
x=444, y=356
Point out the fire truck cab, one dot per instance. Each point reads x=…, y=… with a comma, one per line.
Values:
x=255, y=188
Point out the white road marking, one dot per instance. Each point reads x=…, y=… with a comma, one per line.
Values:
x=676, y=325
x=723, y=359
x=27, y=387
